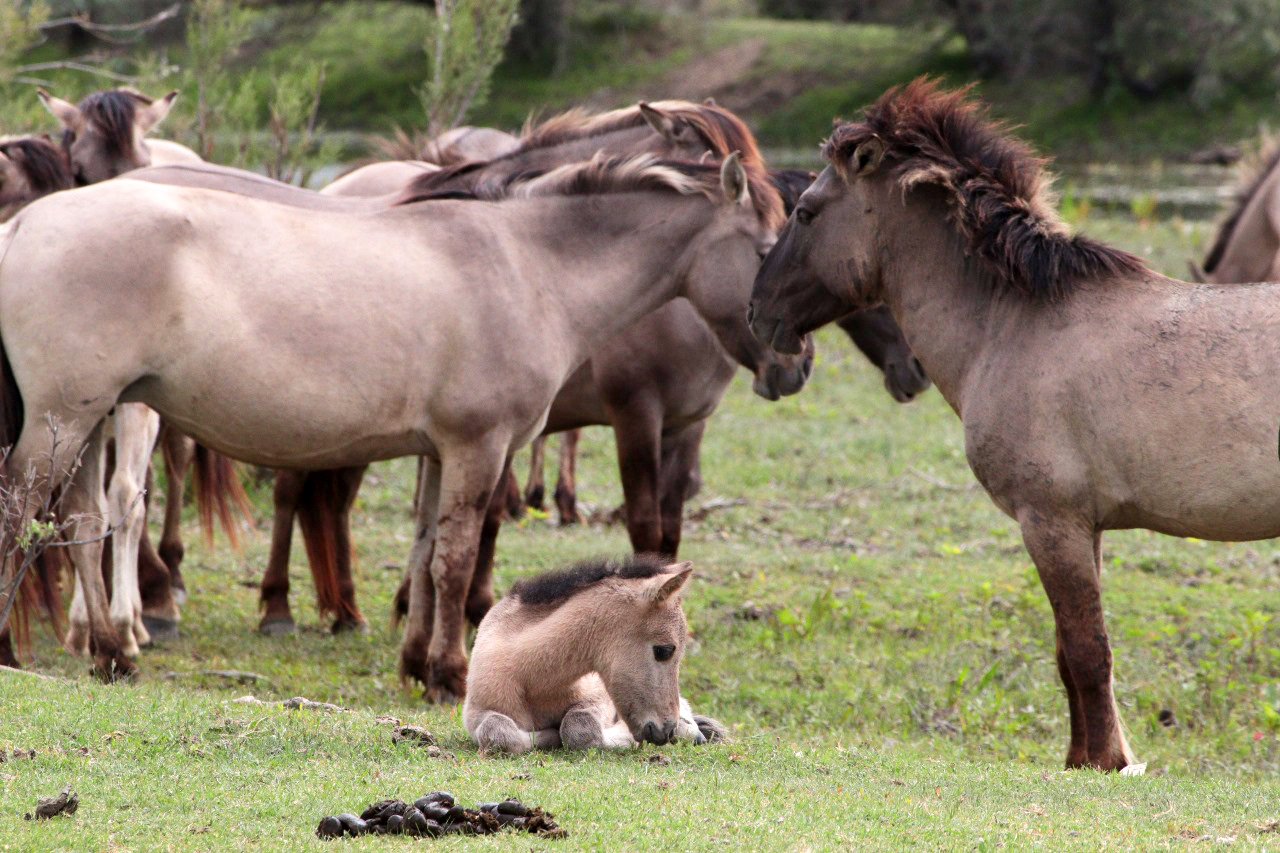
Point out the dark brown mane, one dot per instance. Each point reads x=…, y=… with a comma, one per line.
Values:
x=720, y=130
x=555, y=587
x=112, y=113
x=44, y=164
x=1245, y=191
x=997, y=188
x=637, y=172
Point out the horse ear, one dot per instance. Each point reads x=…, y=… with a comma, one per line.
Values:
x=867, y=156
x=666, y=586
x=1197, y=272
x=709, y=102
x=662, y=124
x=733, y=178
x=154, y=113
x=67, y=113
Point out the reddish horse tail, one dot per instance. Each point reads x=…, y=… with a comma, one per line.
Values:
x=218, y=491
x=322, y=507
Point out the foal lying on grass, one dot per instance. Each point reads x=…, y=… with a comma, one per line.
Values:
x=588, y=656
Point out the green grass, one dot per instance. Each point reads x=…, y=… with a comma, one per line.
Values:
x=898, y=689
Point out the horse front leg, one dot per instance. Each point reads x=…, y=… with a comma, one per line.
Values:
x=468, y=476
x=567, y=478
x=347, y=482
x=480, y=597
x=277, y=618
x=679, y=462
x=1067, y=556
x=638, y=434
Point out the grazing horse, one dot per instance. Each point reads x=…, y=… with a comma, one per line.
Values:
x=470, y=317
x=1095, y=394
x=104, y=134
x=1247, y=245
x=585, y=657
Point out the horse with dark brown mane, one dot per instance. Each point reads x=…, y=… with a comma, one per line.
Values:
x=30, y=167
x=1095, y=394
x=1246, y=246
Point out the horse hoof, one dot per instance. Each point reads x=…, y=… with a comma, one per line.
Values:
x=161, y=630
x=534, y=498
x=350, y=626
x=276, y=627
x=112, y=669
x=446, y=683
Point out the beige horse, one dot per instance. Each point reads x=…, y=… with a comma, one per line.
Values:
x=1095, y=394
x=584, y=657
x=377, y=179
x=104, y=133
x=1247, y=245
x=469, y=318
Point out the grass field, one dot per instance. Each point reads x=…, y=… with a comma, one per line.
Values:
x=865, y=620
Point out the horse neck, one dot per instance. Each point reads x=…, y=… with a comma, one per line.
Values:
x=946, y=310
x=566, y=644
x=613, y=261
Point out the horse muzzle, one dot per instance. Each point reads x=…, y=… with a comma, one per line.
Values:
x=655, y=734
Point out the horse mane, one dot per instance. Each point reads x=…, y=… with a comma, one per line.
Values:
x=791, y=184
x=997, y=189
x=113, y=113
x=603, y=175
x=1252, y=177
x=44, y=164
x=720, y=130
x=556, y=587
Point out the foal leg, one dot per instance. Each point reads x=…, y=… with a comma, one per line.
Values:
x=534, y=489
x=638, y=434
x=679, y=461
x=179, y=450
x=496, y=732
x=1067, y=555
x=136, y=428
x=566, y=478
x=273, y=597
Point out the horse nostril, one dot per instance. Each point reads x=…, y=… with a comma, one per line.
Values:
x=668, y=730
x=808, y=367
x=649, y=733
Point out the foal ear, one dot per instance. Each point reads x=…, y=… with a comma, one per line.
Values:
x=666, y=586
x=67, y=113
x=662, y=123
x=733, y=178
x=867, y=156
x=154, y=112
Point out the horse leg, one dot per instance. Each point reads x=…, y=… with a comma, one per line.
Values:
x=497, y=732
x=417, y=586
x=468, y=476
x=273, y=599
x=480, y=597
x=136, y=428
x=566, y=478
x=179, y=450
x=160, y=614
x=85, y=503
x=347, y=483
x=1067, y=556
x=534, y=489
x=638, y=435
x=679, y=461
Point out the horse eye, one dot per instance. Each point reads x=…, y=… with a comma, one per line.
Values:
x=804, y=215
x=663, y=653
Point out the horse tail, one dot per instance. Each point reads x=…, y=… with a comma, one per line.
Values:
x=218, y=490
x=319, y=512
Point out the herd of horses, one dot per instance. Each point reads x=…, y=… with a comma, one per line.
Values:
x=611, y=269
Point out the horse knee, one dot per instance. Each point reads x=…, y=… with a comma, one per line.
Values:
x=581, y=730
x=499, y=733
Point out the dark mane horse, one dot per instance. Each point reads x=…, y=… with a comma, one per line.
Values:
x=997, y=188
x=43, y=164
x=112, y=113
x=706, y=126
x=555, y=586
x=1251, y=182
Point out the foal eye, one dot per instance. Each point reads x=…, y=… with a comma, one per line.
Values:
x=804, y=215
x=663, y=653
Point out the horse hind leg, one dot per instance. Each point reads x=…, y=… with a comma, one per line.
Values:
x=535, y=490
x=277, y=618
x=567, y=479
x=178, y=451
